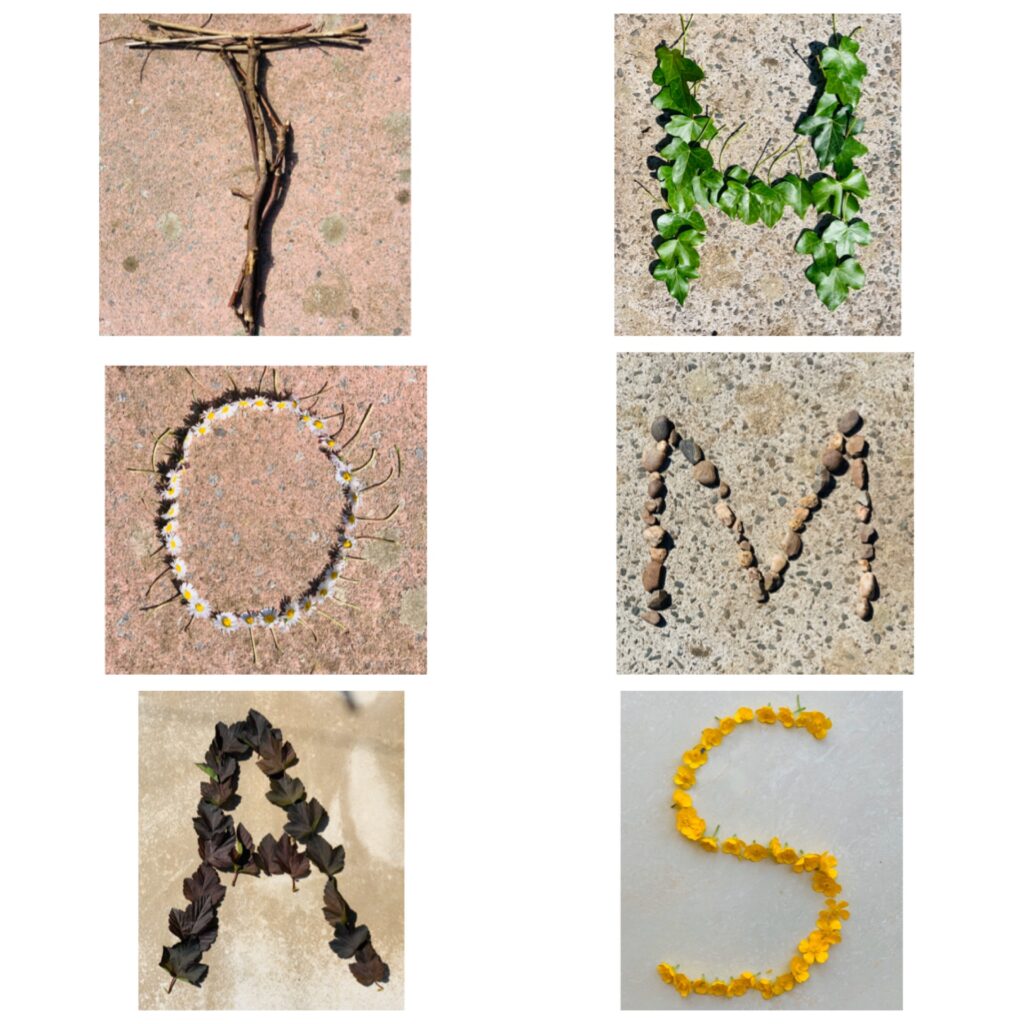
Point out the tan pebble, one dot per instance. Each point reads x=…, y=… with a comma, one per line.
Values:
x=867, y=552
x=863, y=498
x=866, y=533
x=652, y=577
x=856, y=445
x=745, y=558
x=831, y=459
x=658, y=554
x=836, y=442
x=810, y=501
x=864, y=608
x=863, y=513
x=866, y=586
x=652, y=617
x=792, y=544
x=779, y=563
x=859, y=473
x=864, y=565
x=724, y=490
x=655, y=505
x=801, y=515
x=725, y=514
x=705, y=473
x=656, y=487
x=771, y=580
x=649, y=517
x=745, y=545
x=796, y=525
x=655, y=536
x=737, y=528
x=653, y=458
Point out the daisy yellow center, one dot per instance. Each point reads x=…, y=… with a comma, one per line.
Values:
x=200, y=607
x=226, y=620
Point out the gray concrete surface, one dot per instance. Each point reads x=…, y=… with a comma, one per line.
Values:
x=716, y=915
x=763, y=419
x=751, y=280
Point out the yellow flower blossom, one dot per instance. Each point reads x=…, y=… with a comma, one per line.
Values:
x=755, y=852
x=828, y=865
x=799, y=968
x=734, y=846
x=709, y=843
x=680, y=798
x=711, y=737
x=744, y=715
x=666, y=973
x=695, y=758
x=814, y=948
x=681, y=983
x=684, y=778
x=739, y=986
x=690, y=823
x=699, y=987
x=785, y=983
x=766, y=988
x=837, y=910
x=766, y=715
x=785, y=717
x=726, y=726
x=786, y=855
x=808, y=862
x=825, y=885
x=717, y=988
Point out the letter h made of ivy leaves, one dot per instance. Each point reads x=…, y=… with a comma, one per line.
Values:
x=691, y=178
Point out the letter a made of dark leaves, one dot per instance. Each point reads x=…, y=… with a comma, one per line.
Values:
x=227, y=848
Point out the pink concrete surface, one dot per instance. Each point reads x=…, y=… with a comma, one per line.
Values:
x=173, y=144
x=258, y=514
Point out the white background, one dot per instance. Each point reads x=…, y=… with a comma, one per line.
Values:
x=512, y=838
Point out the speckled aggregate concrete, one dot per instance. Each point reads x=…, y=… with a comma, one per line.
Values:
x=271, y=951
x=717, y=915
x=752, y=282
x=763, y=419
x=258, y=515
x=173, y=145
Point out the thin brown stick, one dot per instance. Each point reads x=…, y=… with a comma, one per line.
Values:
x=379, y=519
x=366, y=536
x=252, y=640
x=154, y=583
x=373, y=455
x=152, y=456
x=153, y=607
x=359, y=429
x=379, y=483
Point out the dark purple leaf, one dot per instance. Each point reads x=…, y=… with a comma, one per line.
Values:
x=204, y=884
x=182, y=961
x=329, y=859
x=306, y=819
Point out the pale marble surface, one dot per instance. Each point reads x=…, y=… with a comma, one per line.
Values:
x=717, y=915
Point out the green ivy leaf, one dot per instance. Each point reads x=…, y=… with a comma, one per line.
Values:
x=828, y=127
x=809, y=243
x=772, y=206
x=794, y=192
x=738, y=202
x=676, y=279
x=674, y=73
x=846, y=237
x=843, y=70
x=681, y=251
x=706, y=187
x=670, y=224
x=828, y=193
x=692, y=129
x=834, y=284
x=852, y=150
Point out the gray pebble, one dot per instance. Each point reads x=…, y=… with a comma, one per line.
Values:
x=849, y=422
x=655, y=488
x=822, y=480
x=691, y=450
x=661, y=428
x=831, y=459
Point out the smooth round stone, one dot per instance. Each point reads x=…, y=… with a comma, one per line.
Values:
x=658, y=555
x=822, y=480
x=863, y=513
x=653, y=618
x=691, y=450
x=655, y=488
x=859, y=473
x=831, y=459
x=648, y=518
x=724, y=490
x=866, y=585
x=745, y=545
x=792, y=545
x=864, y=565
x=849, y=422
x=659, y=599
x=779, y=563
x=866, y=534
x=796, y=525
x=653, y=577
x=705, y=473
x=655, y=536
x=656, y=505
x=864, y=608
x=654, y=457
x=867, y=552
x=745, y=558
x=758, y=591
x=856, y=445
x=674, y=438
x=837, y=442
x=771, y=581
x=801, y=514
x=724, y=514
x=809, y=501
x=661, y=428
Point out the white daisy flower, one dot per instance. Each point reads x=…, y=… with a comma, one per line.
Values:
x=244, y=403
x=307, y=418
x=187, y=591
x=308, y=603
x=293, y=404
x=172, y=512
x=343, y=473
x=179, y=568
x=172, y=492
x=347, y=543
x=251, y=619
x=333, y=574
x=169, y=527
x=281, y=405
x=186, y=441
x=209, y=415
x=290, y=615
x=201, y=429
x=200, y=608
x=268, y=617
x=260, y=402
x=327, y=442
x=226, y=622
x=225, y=411
x=324, y=588
x=173, y=543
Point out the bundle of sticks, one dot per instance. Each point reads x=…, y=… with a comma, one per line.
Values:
x=269, y=137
